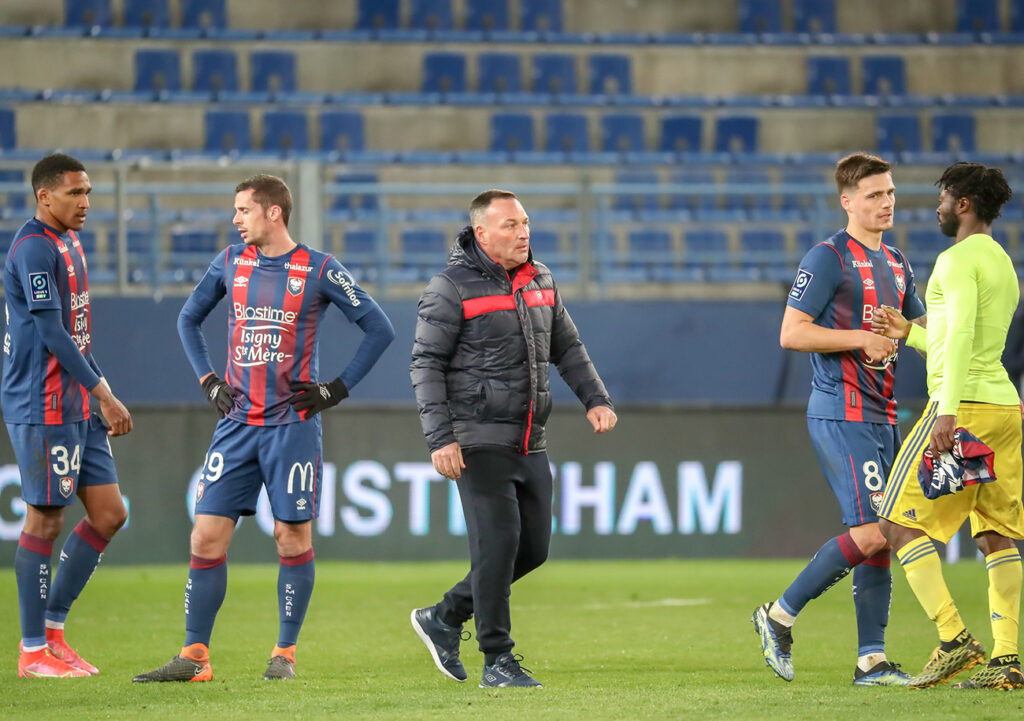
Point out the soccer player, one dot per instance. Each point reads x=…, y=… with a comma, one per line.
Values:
x=851, y=414
x=490, y=324
x=972, y=294
x=61, y=446
x=269, y=433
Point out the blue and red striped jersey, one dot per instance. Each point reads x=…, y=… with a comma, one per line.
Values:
x=273, y=323
x=840, y=282
x=45, y=270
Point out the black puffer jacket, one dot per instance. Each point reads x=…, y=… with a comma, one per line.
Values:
x=484, y=342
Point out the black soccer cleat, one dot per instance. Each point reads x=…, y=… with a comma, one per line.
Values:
x=506, y=672
x=441, y=640
x=1003, y=673
x=178, y=668
x=949, y=659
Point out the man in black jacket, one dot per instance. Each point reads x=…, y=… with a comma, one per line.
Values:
x=489, y=325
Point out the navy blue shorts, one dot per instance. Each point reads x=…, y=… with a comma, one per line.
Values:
x=55, y=460
x=856, y=458
x=287, y=459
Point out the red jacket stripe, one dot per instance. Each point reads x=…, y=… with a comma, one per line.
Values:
x=292, y=303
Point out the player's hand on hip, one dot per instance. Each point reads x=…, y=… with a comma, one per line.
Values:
x=311, y=398
x=448, y=460
x=942, y=434
x=889, y=322
x=877, y=347
x=602, y=418
x=220, y=395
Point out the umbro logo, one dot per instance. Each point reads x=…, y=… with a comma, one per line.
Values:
x=241, y=281
x=300, y=504
x=911, y=514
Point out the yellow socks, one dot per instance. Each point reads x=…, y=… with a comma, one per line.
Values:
x=921, y=563
x=1004, y=583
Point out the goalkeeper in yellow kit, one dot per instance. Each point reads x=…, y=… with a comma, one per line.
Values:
x=972, y=294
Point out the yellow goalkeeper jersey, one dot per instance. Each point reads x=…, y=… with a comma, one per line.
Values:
x=972, y=295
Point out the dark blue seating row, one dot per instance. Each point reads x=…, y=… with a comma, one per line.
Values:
x=531, y=38
x=754, y=16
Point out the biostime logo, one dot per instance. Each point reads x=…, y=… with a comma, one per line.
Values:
x=265, y=313
x=79, y=300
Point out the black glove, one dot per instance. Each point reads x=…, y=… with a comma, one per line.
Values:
x=316, y=397
x=220, y=394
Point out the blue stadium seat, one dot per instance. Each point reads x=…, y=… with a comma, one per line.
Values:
x=1017, y=16
x=272, y=71
x=640, y=201
x=547, y=249
x=511, y=132
x=610, y=75
x=923, y=245
x=146, y=14
x=422, y=253
x=707, y=247
x=554, y=73
x=541, y=15
x=88, y=13
x=814, y=16
x=681, y=133
x=342, y=131
x=444, y=73
x=157, y=70
x=566, y=133
x=7, y=133
x=204, y=14
x=622, y=133
x=748, y=175
x=500, y=73
x=693, y=175
x=487, y=15
x=736, y=134
x=360, y=254
x=898, y=133
x=760, y=16
x=285, y=130
x=190, y=254
x=762, y=243
x=828, y=75
x=884, y=75
x=214, y=71
x=801, y=175
x=377, y=15
x=226, y=130
x=977, y=16
x=13, y=199
x=650, y=250
x=356, y=202
x=953, y=133
x=431, y=15
x=141, y=256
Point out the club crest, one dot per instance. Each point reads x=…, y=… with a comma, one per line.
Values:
x=67, y=486
x=295, y=285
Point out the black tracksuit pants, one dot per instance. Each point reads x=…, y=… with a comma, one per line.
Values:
x=506, y=498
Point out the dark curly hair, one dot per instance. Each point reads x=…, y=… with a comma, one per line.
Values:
x=986, y=188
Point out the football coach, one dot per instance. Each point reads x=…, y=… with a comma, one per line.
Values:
x=488, y=327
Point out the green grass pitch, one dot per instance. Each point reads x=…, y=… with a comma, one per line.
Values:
x=610, y=640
